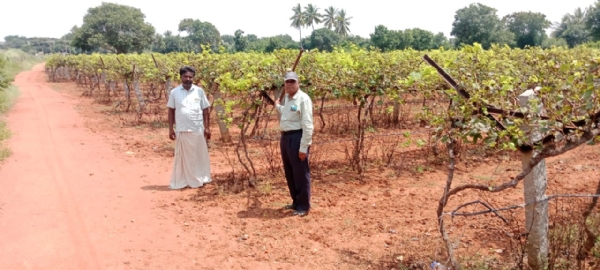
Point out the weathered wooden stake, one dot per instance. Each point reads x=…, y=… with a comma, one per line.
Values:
x=221, y=116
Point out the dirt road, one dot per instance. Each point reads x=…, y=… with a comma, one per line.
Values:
x=68, y=201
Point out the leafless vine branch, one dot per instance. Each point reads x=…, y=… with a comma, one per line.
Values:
x=548, y=151
x=455, y=212
x=589, y=243
x=487, y=205
x=444, y=201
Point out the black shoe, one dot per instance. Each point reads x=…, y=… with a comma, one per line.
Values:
x=300, y=213
x=289, y=207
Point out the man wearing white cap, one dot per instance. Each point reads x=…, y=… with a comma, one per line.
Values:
x=296, y=124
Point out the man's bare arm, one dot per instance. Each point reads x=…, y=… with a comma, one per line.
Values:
x=206, y=117
x=171, y=123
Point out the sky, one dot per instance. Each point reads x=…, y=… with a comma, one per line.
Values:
x=45, y=18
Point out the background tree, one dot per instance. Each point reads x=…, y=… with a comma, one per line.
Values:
x=381, y=38
x=270, y=44
x=421, y=39
x=228, y=39
x=240, y=41
x=342, y=23
x=401, y=39
x=251, y=38
x=14, y=41
x=173, y=43
x=116, y=28
x=273, y=44
x=355, y=40
x=158, y=43
x=323, y=39
x=529, y=28
x=557, y=42
x=200, y=33
x=415, y=38
x=479, y=23
x=312, y=15
x=440, y=40
x=592, y=20
x=329, y=18
x=66, y=41
x=573, y=28
x=298, y=20
x=35, y=45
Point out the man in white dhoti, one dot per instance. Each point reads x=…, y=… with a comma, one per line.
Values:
x=189, y=112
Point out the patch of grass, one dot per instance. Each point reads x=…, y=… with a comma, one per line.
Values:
x=7, y=98
x=481, y=262
x=4, y=153
x=18, y=61
x=331, y=172
x=159, y=124
x=484, y=178
x=13, y=62
x=4, y=135
x=265, y=188
x=422, y=169
x=4, y=132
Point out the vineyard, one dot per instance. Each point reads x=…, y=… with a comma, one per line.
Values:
x=405, y=111
x=359, y=96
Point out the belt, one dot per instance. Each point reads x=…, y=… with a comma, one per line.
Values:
x=289, y=132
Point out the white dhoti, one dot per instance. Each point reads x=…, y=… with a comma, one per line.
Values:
x=191, y=165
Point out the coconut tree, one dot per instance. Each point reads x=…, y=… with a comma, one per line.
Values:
x=572, y=28
x=342, y=23
x=312, y=15
x=298, y=20
x=329, y=18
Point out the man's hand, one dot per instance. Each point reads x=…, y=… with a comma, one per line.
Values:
x=302, y=156
x=277, y=102
x=207, y=134
x=172, y=134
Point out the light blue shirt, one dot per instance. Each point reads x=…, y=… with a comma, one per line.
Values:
x=297, y=113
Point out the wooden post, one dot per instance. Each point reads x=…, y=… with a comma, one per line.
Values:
x=536, y=214
x=221, y=116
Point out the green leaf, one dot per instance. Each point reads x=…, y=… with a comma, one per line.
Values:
x=588, y=94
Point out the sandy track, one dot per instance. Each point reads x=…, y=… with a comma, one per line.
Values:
x=68, y=201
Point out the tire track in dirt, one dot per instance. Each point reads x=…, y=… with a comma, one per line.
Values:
x=47, y=133
x=38, y=198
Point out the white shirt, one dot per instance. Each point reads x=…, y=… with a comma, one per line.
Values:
x=297, y=113
x=188, y=105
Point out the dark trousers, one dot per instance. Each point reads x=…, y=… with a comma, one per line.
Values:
x=297, y=172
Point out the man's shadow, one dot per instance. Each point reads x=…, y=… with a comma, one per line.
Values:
x=255, y=210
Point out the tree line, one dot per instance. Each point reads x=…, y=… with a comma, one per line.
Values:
x=115, y=28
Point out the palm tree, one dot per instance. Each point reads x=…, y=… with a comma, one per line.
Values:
x=312, y=15
x=572, y=28
x=298, y=20
x=342, y=23
x=329, y=18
